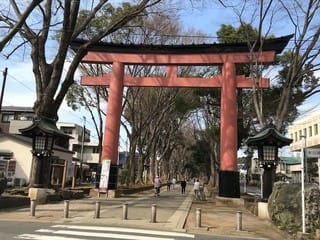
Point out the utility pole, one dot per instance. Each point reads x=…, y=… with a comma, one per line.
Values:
x=5, y=73
x=82, y=146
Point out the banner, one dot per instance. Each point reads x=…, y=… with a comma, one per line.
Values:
x=104, y=177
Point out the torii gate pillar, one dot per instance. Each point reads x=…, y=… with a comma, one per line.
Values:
x=229, y=185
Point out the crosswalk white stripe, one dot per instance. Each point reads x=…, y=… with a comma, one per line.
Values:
x=106, y=235
x=44, y=237
x=126, y=230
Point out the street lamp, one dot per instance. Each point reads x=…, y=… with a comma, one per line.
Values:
x=42, y=144
x=267, y=141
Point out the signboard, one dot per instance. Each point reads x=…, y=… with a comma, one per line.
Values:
x=104, y=177
x=312, y=152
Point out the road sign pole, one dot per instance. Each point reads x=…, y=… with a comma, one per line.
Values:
x=303, y=139
x=319, y=173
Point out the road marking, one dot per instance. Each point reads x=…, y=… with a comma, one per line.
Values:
x=44, y=237
x=108, y=235
x=126, y=230
x=72, y=232
x=88, y=234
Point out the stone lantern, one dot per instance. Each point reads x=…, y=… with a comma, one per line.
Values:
x=43, y=132
x=268, y=141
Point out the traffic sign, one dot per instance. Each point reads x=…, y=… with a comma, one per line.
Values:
x=312, y=152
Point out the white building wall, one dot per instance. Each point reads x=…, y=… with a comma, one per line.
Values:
x=22, y=154
x=307, y=127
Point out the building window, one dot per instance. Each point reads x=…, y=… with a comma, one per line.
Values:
x=295, y=136
x=305, y=132
x=95, y=150
x=300, y=134
x=310, y=131
x=315, y=129
x=67, y=130
x=76, y=148
x=7, y=117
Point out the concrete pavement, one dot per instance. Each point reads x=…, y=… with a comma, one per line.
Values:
x=174, y=212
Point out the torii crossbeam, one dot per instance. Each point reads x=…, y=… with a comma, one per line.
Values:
x=172, y=56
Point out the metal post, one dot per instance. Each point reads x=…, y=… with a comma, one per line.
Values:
x=66, y=208
x=198, y=217
x=97, y=211
x=125, y=211
x=5, y=73
x=261, y=182
x=82, y=146
x=245, y=183
x=239, y=221
x=153, y=213
x=302, y=184
x=32, y=208
x=319, y=172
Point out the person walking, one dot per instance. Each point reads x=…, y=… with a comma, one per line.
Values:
x=168, y=185
x=157, y=185
x=183, y=184
x=196, y=188
x=173, y=182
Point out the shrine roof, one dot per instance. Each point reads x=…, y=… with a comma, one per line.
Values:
x=43, y=125
x=275, y=44
x=269, y=135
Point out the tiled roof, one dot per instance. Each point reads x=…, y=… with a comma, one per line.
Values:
x=269, y=135
x=275, y=44
x=290, y=160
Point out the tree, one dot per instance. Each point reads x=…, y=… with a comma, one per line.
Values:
x=41, y=26
x=301, y=63
x=149, y=116
x=296, y=81
x=14, y=27
x=51, y=82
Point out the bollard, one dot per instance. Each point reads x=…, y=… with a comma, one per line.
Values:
x=153, y=213
x=32, y=208
x=198, y=217
x=239, y=221
x=125, y=211
x=66, y=208
x=97, y=211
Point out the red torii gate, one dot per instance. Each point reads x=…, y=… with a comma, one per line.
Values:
x=172, y=56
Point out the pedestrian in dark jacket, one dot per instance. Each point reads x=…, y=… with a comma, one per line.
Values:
x=183, y=184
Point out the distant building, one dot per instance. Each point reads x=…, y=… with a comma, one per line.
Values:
x=11, y=113
x=305, y=132
x=16, y=160
x=79, y=148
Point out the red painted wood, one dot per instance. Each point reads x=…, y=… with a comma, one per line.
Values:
x=112, y=126
x=176, y=59
x=242, y=82
x=228, y=121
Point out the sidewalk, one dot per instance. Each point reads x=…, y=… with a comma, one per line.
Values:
x=174, y=211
